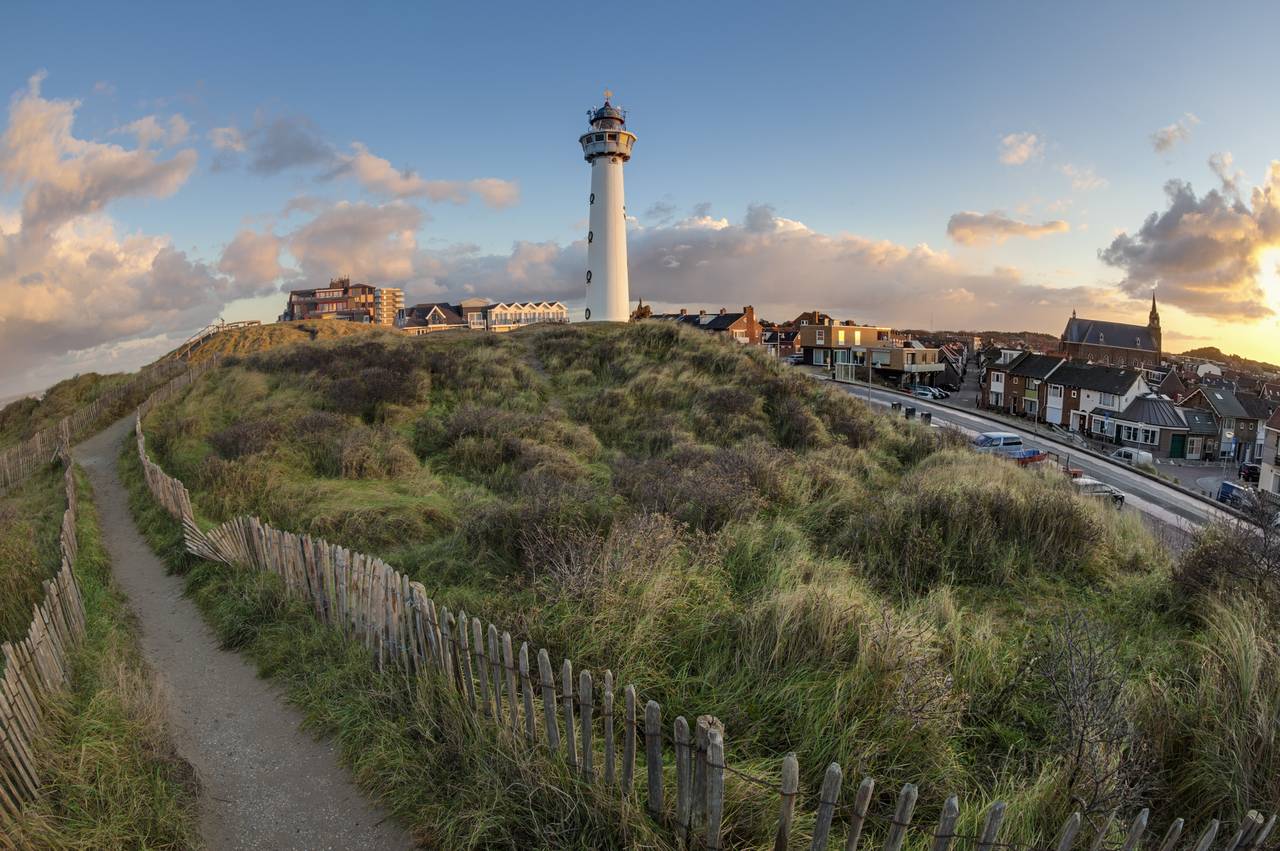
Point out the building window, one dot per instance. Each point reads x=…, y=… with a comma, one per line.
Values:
x=590, y=236
x=599, y=137
x=821, y=338
x=1055, y=391
x=1107, y=400
x=613, y=137
x=1151, y=436
x=1074, y=393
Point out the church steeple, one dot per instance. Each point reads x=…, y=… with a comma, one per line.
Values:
x=1153, y=323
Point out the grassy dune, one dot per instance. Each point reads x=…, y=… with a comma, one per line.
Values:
x=737, y=540
x=24, y=417
x=110, y=776
x=256, y=338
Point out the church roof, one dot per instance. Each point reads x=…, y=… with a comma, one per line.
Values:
x=1096, y=332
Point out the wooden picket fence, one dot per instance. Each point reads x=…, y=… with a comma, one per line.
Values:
x=19, y=462
x=36, y=667
x=577, y=718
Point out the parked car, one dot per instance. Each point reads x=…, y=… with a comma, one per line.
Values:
x=998, y=443
x=1250, y=472
x=950, y=388
x=1134, y=457
x=922, y=393
x=1095, y=489
x=1236, y=495
x=939, y=393
x=796, y=359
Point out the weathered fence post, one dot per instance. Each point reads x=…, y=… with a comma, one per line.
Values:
x=1251, y=822
x=859, y=815
x=684, y=783
x=1171, y=835
x=495, y=674
x=1067, y=834
x=526, y=689
x=991, y=829
x=1206, y=838
x=946, y=825
x=566, y=691
x=653, y=755
x=586, y=702
x=509, y=664
x=902, y=818
x=828, y=797
x=629, y=739
x=481, y=668
x=715, y=787
x=606, y=724
x=790, y=787
x=1136, y=830
x=548, y=699
x=464, y=657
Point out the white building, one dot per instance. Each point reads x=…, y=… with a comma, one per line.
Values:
x=607, y=146
x=1269, y=482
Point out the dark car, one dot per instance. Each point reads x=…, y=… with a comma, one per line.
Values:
x=1250, y=472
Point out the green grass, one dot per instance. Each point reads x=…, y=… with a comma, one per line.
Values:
x=737, y=540
x=22, y=418
x=111, y=778
x=30, y=520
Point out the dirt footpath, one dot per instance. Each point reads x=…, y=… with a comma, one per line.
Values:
x=265, y=783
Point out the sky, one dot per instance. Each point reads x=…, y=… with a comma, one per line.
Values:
x=978, y=166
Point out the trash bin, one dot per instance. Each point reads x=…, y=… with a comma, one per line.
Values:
x=911, y=413
x=896, y=406
x=926, y=417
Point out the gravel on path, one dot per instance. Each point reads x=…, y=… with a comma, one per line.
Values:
x=264, y=782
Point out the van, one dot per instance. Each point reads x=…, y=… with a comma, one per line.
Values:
x=998, y=443
x=1236, y=495
x=1134, y=457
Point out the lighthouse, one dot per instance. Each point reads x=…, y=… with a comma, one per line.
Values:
x=607, y=147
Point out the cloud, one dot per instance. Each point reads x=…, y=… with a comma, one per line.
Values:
x=67, y=177
x=104, y=87
x=777, y=264
x=284, y=142
x=1083, y=179
x=1166, y=138
x=370, y=242
x=661, y=212
x=226, y=139
x=1021, y=148
x=1204, y=252
x=1221, y=164
x=148, y=130
x=252, y=259
x=970, y=228
x=71, y=282
x=379, y=177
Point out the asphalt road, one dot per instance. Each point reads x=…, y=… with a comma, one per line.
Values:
x=1164, y=505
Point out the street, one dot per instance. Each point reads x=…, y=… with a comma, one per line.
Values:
x=1173, y=514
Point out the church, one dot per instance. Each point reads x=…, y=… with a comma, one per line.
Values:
x=1114, y=343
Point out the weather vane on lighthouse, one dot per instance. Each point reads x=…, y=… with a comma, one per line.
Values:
x=607, y=146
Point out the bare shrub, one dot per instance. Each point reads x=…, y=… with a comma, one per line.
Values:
x=702, y=486
x=577, y=562
x=902, y=653
x=245, y=438
x=1103, y=760
x=1241, y=551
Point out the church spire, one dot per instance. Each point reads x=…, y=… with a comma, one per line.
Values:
x=1153, y=319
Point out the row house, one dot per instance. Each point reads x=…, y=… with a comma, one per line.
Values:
x=827, y=344
x=1155, y=425
x=741, y=327
x=780, y=342
x=1238, y=419
x=477, y=314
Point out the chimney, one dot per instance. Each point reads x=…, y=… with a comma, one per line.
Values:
x=702, y=313
x=722, y=311
x=750, y=313
x=684, y=311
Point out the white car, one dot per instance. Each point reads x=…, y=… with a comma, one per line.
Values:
x=1134, y=457
x=998, y=443
x=1095, y=489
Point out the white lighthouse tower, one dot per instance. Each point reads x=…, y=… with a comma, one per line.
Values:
x=607, y=145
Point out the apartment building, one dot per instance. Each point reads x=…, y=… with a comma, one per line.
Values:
x=345, y=301
x=826, y=344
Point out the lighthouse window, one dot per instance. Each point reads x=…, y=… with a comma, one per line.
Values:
x=588, y=276
x=593, y=198
x=613, y=137
x=599, y=137
x=590, y=236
